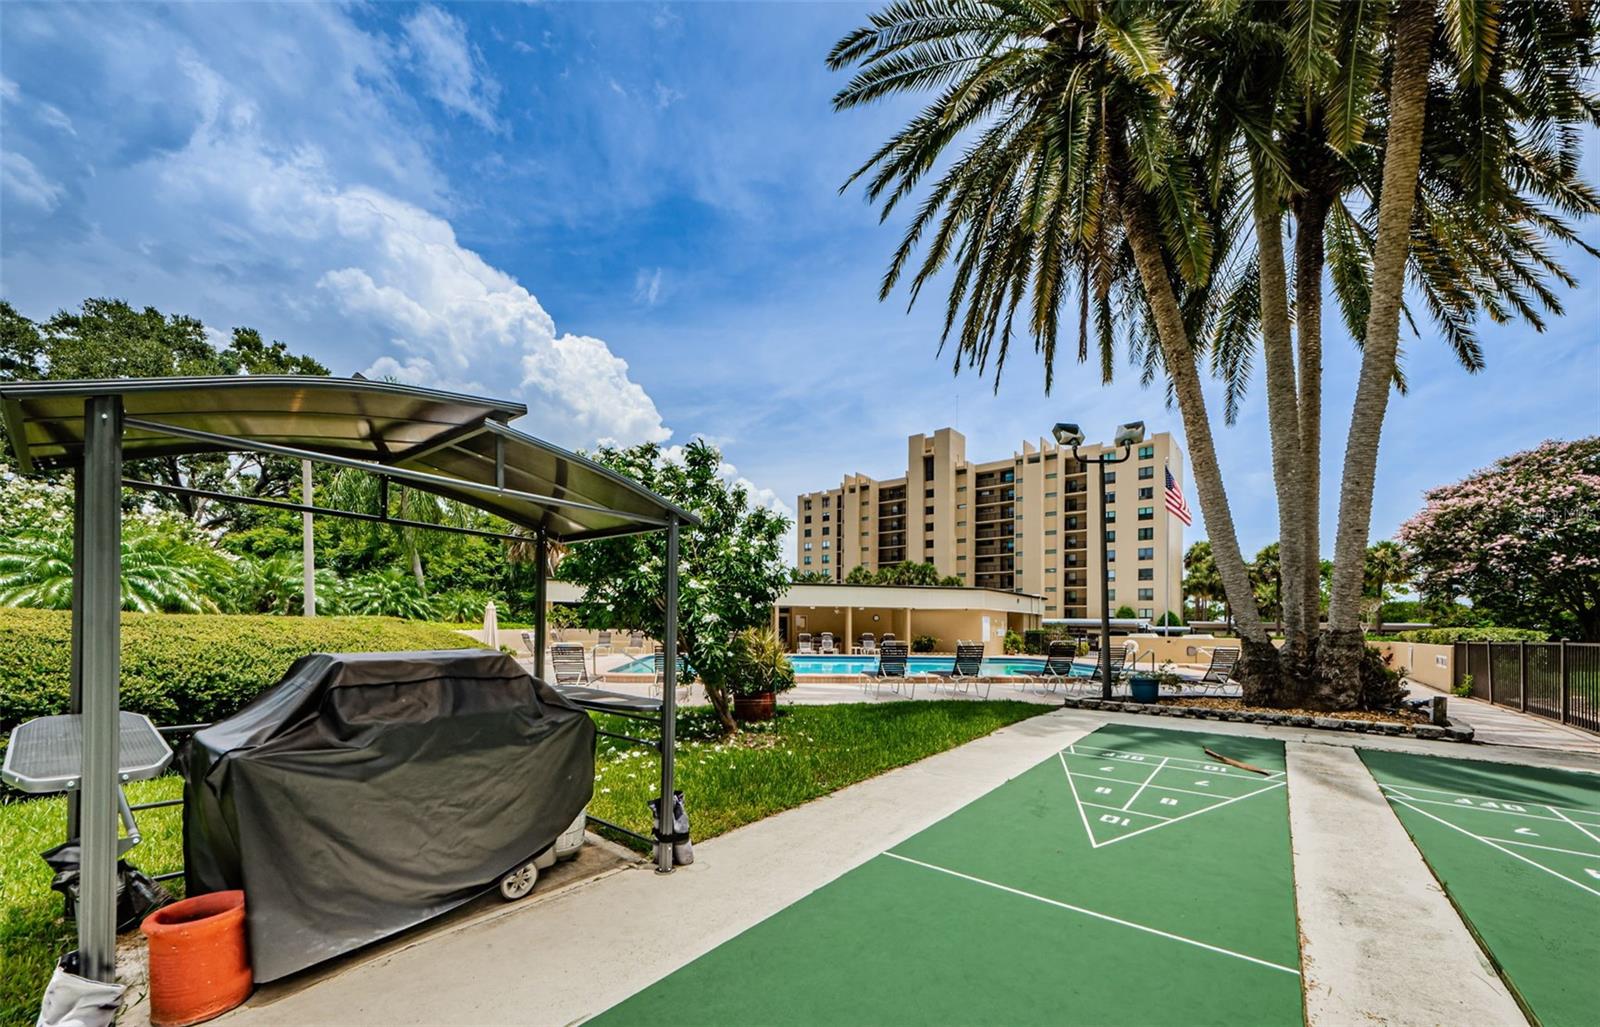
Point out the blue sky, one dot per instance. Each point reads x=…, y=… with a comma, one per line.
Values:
x=625, y=215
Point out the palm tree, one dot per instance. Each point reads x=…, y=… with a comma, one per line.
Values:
x=1387, y=563
x=1075, y=180
x=362, y=492
x=1200, y=580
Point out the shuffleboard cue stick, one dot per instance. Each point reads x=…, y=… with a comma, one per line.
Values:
x=1230, y=761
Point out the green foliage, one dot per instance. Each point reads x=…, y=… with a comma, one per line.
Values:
x=462, y=606
x=1126, y=613
x=800, y=577
x=1449, y=636
x=1201, y=580
x=1012, y=643
x=924, y=644
x=1035, y=641
x=732, y=570
x=183, y=669
x=387, y=593
x=860, y=574
x=1464, y=689
x=759, y=664
x=1170, y=619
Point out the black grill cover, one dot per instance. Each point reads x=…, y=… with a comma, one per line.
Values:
x=367, y=792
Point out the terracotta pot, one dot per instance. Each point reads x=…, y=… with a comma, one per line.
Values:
x=199, y=960
x=755, y=707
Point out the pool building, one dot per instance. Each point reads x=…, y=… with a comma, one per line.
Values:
x=947, y=615
x=1021, y=524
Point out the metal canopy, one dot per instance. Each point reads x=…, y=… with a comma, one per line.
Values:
x=453, y=445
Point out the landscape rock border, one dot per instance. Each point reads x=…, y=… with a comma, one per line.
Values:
x=1456, y=732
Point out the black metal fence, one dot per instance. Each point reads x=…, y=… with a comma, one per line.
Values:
x=1558, y=680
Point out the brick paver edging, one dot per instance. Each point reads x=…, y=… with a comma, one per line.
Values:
x=1451, y=733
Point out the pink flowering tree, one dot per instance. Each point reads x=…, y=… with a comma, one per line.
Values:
x=1520, y=539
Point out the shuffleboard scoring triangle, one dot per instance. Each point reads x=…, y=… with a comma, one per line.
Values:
x=1121, y=794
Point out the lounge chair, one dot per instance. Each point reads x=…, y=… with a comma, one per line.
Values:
x=892, y=670
x=636, y=641
x=568, y=665
x=529, y=644
x=1217, y=676
x=888, y=636
x=659, y=684
x=1119, y=662
x=966, y=674
x=805, y=648
x=827, y=647
x=602, y=641
x=1057, y=669
x=869, y=645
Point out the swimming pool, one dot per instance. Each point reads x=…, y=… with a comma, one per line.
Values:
x=824, y=666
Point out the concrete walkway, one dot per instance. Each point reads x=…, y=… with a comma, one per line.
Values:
x=1501, y=725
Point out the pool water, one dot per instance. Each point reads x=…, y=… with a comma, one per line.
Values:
x=804, y=666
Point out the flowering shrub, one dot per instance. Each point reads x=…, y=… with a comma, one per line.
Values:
x=1520, y=539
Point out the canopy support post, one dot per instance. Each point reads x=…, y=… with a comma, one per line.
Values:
x=100, y=644
x=76, y=695
x=541, y=577
x=669, y=704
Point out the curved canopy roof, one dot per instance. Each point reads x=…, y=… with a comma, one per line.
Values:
x=453, y=445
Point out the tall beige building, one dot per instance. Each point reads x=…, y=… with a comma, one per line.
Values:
x=1024, y=523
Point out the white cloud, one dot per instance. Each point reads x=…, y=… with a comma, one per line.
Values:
x=647, y=286
x=26, y=184
x=451, y=68
x=666, y=96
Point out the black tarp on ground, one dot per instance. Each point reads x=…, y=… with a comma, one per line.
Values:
x=367, y=792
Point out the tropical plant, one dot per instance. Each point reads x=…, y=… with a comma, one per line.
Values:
x=164, y=569
x=1201, y=582
x=1012, y=643
x=800, y=577
x=861, y=574
x=1520, y=539
x=276, y=584
x=1266, y=581
x=461, y=606
x=924, y=643
x=386, y=593
x=361, y=492
x=731, y=566
x=1126, y=613
x=759, y=664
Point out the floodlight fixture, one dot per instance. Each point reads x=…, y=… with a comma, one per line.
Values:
x=1069, y=435
x=1130, y=434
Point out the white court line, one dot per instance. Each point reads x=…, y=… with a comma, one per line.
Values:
x=1494, y=798
x=1087, y=830
x=1098, y=916
x=1147, y=781
x=1574, y=823
x=1074, y=750
x=1547, y=848
x=1496, y=846
x=1478, y=809
x=1124, y=809
x=1159, y=788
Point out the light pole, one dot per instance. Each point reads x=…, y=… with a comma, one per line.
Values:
x=1128, y=436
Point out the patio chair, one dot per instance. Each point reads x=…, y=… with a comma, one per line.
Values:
x=636, y=641
x=826, y=645
x=892, y=670
x=869, y=645
x=568, y=665
x=1217, y=676
x=966, y=674
x=529, y=644
x=805, y=648
x=1057, y=669
x=602, y=640
x=1119, y=663
x=659, y=683
x=888, y=636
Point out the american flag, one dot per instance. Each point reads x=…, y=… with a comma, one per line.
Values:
x=1175, y=503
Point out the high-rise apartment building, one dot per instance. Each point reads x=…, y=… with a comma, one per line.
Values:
x=1024, y=523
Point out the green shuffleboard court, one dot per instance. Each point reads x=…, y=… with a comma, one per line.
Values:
x=1518, y=851
x=1129, y=879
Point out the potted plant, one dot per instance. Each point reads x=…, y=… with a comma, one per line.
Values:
x=1146, y=687
x=924, y=644
x=760, y=670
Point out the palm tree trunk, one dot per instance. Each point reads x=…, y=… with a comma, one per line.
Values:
x=1408, y=94
x=1283, y=420
x=1311, y=215
x=1260, y=658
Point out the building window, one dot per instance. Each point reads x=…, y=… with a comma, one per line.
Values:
x=808, y=516
x=1147, y=594
x=1109, y=477
x=1111, y=594
x=1147, y=513
x=1146, y=534
x=1147, y=574
x=927, y=493
x=1147, y=493
x=1111, y=536
x=808, y=547
x=824, y=531
x=1111, y=556
x=1111, y=574
x=1146, y=473
x=1049, y=474
x=1111, y=515
x=927, y=511
x=1147, y=452
x=1050, y=588
x=808, y=559
x=1047, y=570
x=928, y=544
x=1052, y=531
x=826, y=518
x=808, y=533
x=1049, y=552
x=1147, y=613
x=1049, y=495
x=824, y=501
x=961, y=506
x=1147, y=552
x=826, y=544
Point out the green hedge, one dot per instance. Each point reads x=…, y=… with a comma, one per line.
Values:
x=1450, y=636
x=186, y=669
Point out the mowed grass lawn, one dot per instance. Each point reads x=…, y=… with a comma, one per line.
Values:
x=807, y=752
